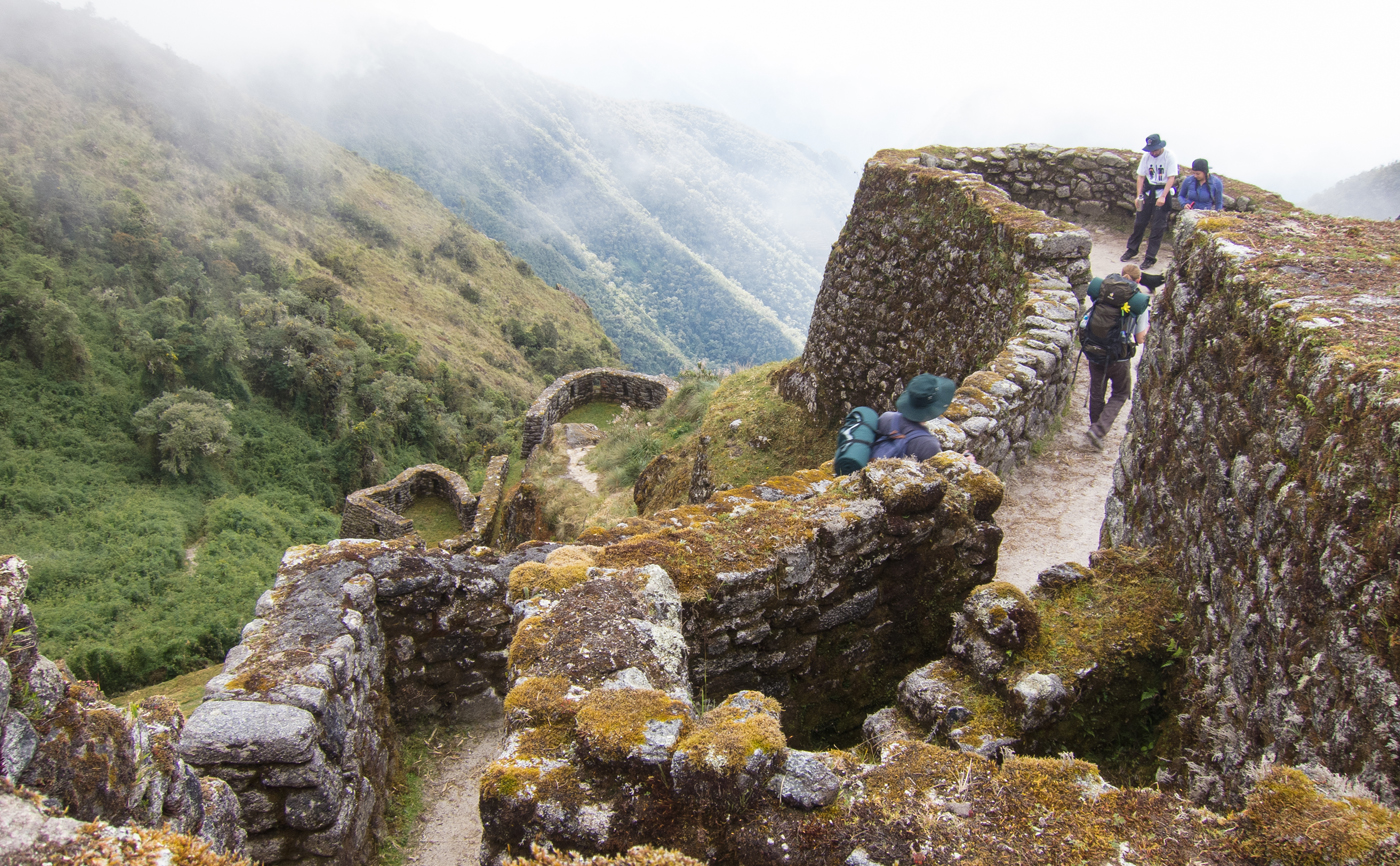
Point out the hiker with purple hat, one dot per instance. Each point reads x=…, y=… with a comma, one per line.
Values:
x=1156, y=175
x=1201, y=190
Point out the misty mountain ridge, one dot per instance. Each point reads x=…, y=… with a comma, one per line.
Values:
x=215, y=323
x=1373, y=194
x=693, y=238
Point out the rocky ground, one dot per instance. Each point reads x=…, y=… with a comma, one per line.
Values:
x=1054, y=505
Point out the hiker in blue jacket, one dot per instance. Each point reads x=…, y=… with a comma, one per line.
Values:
x=902, y=433
x=1202, y=190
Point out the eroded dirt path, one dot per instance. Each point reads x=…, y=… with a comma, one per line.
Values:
x=451, y=821
x=1054, y=504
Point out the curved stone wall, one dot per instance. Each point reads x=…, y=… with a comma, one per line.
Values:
x=585, y=386
x=1264, y=448
x=377, y=512
x=938, y=272
x=1072, y=182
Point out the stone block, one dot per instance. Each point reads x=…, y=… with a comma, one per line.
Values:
x=248, y=732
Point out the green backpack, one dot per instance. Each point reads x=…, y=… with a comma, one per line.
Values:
x=855, y=440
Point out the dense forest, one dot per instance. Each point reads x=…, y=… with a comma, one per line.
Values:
x=214, y=324
x=693, y=237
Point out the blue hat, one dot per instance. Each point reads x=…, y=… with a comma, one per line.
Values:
x=927, y=397
x=1154, y=142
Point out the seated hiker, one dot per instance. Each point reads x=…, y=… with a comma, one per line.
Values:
x=1149, y=282
x=1202, y=190
x=902, y=433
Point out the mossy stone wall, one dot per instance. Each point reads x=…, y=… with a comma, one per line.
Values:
x=938, y=272
x=1264, y=453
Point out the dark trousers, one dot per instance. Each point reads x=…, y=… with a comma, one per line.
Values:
x=1103, y=414
x=1154, y=215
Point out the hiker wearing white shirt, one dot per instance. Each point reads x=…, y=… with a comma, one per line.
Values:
x=1156, y=175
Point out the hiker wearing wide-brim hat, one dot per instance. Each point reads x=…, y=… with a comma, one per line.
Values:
x=902, y=433
x=1156, y=175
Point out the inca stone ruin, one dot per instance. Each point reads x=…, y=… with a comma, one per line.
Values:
x=700, y=679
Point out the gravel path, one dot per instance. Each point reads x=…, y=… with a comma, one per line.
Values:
x=1054, y=504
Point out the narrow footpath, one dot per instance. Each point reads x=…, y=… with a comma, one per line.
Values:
x=451, y=822
x=1054, y=504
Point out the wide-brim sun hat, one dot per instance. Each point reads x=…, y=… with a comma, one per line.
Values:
x=1154, y=142
x=927, y=397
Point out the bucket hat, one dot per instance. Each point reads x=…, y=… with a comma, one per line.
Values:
x=1154, y=142
x=926, y=398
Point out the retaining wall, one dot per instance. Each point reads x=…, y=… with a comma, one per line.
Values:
x=585, y=386
x=938, y=272
x=1264, y=450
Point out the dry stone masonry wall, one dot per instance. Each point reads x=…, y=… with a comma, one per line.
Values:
x=377, y=512
x=353, y=635
x=1264, y=450
x=584, y=386
x=88, y=757
x=938, y=272
x=1077, y=183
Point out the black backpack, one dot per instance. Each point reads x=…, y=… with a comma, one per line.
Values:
x=1105, y=332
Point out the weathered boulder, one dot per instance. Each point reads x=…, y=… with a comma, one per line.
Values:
x=249, y=732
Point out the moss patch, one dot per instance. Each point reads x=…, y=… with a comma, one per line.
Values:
x=612, y=723
x=1287, y=820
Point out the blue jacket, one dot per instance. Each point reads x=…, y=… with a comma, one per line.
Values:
x=1206, y=196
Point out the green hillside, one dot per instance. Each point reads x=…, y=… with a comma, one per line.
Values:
x=213, y=324
x=693, y=237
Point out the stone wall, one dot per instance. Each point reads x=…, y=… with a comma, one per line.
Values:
x=490, y=502
x=585, y=386
x=352, y=636
x=1264, y=451
x=938, y=272
x=1077, y=183
x=90, y=759
x=377, y=512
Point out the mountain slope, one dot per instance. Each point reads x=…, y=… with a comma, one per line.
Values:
x=692, y=236
x=1373, y=194
x=213, y=324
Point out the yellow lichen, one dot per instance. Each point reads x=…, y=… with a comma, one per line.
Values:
x=730, y=732
x=504, y=779
x=530, y=578
x=638, y=855
x=539, y=701
x=529, y=643
x=612, y=723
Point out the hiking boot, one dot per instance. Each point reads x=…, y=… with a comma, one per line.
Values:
x=1128, y=256
x=1094, y=439
x=1148, y=262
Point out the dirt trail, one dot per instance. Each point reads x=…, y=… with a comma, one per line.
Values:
x=1054, y=504
x=451, y=834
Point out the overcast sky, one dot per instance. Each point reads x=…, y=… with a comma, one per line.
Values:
x=1290, y=95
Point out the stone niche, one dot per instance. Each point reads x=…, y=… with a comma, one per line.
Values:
x=585, y=386
x=938, y=272
x=1264, y=447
